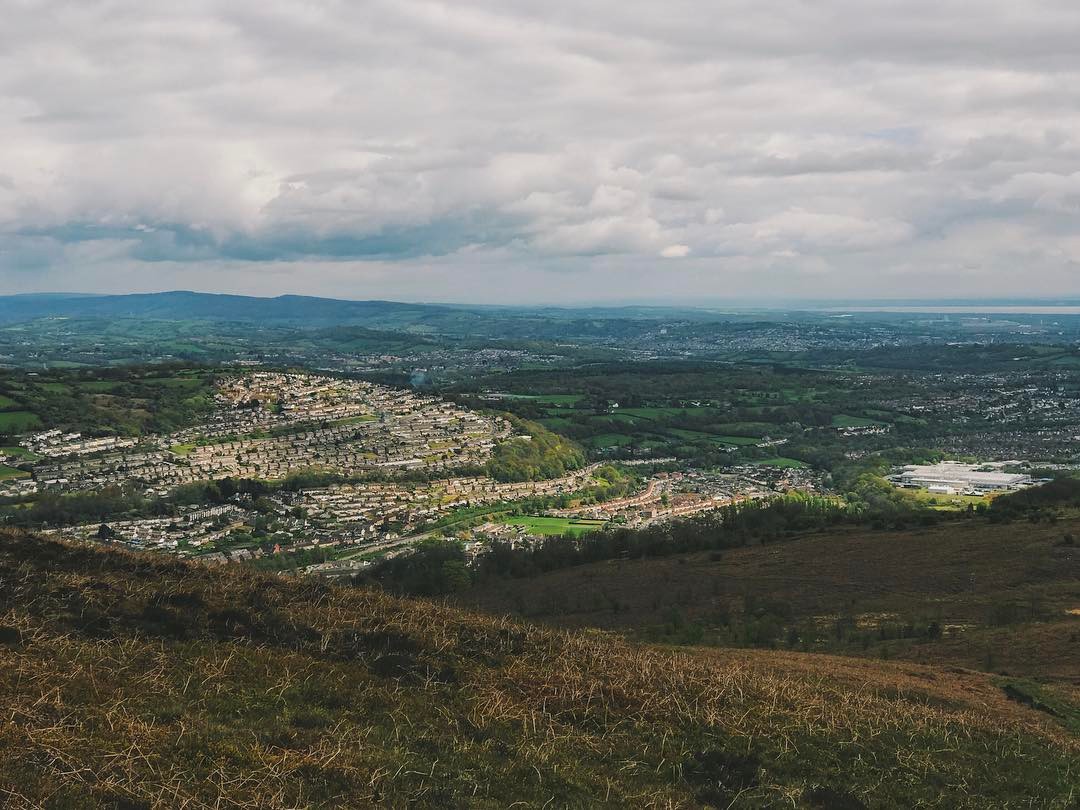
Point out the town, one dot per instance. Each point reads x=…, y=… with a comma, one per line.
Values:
x=425, y=455
x=268, y=424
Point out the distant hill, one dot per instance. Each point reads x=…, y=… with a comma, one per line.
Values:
x=299, y=310
x=138, y=681
x=180, y=305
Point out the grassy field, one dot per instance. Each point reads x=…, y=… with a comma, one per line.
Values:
x=140, y=682
x=738, y=441
x=687, y=431
x=701, y=435
x=746, y=428
x=611, y=440
x=948, y=502
x=843, y=420
x=97, y=386
x=19, y=452
x=1006, y=597
x=7, y=473
x=549, y=399
x=782, y=462
x=355, y=420
x=693, y=435
x=178, y=381
x=19, y=421
x=661, y=412
x=554, y=525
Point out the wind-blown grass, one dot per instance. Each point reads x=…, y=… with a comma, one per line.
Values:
x=138, y=681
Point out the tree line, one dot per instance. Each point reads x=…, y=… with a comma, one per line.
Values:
x=436, y=567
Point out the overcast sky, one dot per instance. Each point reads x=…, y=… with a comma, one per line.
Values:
x=514, y=151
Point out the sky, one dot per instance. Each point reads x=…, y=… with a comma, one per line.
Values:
x=509, y=151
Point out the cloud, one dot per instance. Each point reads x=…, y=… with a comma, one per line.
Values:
x=422, y=148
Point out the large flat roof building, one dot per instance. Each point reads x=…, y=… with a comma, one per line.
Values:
x=953, y=475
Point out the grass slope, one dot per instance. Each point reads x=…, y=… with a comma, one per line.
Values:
x=1007, y=596
x=141, y=682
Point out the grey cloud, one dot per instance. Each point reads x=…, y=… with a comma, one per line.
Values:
x=743, y=146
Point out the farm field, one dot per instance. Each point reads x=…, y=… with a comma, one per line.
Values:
x=549, y=399
x=738, y=441
x=844, y=420
x=18, y=421
x=679, y=430
x=605, y=440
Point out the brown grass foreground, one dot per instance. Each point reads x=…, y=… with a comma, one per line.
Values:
x=131, y=681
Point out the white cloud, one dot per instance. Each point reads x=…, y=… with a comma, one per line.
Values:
x=426, y=147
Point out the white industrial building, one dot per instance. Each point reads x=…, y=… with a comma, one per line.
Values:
x=951, y=477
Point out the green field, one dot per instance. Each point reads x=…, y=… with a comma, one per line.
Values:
x=7, y=473
x=605, y=440
x=782, y=461
x=19, y=452
x=746, y=428
x=174, y=382
x=948, y=502
x=19, y=421
x=554, y=525
x=355, y=420
x=660, y=413
x=700, y=435
x=7, y=403
x=738, y=441
x=98, y=386
x=692, y=435
x=548, y=399
x=843, y=420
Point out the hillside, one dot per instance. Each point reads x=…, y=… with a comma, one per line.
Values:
x=1002, y=597
x=184, y=305
x=131, y=681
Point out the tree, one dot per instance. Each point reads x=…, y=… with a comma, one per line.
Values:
x=456, y=577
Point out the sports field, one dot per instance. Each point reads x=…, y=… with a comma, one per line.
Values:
x=536, y=524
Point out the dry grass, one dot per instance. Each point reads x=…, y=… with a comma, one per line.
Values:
x=135, y=682
x=959, y=574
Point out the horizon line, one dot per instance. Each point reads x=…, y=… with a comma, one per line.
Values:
x=749, y=302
